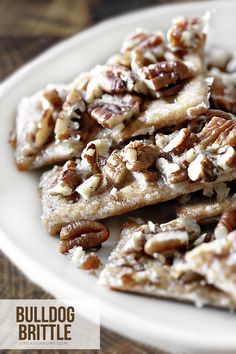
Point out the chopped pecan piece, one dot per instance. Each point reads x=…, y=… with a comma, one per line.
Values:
x=226, y=159
x=210, y=113
x=93, y=155
x=204, y=238
x=44, y=129
x=171, y=170
x=186, y=33
x=146, y=177
x=109, y=111
x=161, y=75
x=162, y=140
x=93, y=185
x=223, y=91
x=226, y=224
x=166, y=241
x=67, y=123
x=115, y=169
x=115, y=79
x=138, y=60
x=66, y=183
x=83, y=260
x=179, y=143
x=201, y=168
x=139, y=156
x=91, y=261
x=120, y=59
x=183, y=224
x=178, y=176
x=84, y=233
x=89, y=159
x=54, y=98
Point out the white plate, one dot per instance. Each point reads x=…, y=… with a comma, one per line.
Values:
x=161, y=323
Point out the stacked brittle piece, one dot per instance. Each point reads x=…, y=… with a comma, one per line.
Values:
x=152, y=124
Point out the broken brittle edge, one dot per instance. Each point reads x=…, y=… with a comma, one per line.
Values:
x=207, y=208
x=176, y=260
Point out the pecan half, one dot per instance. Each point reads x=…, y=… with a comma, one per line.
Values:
x=161, y=75
x=218, y=131
x=226, y=224
x=139, y=155
x=84, y=233
x=166, y=241
x=109, y=111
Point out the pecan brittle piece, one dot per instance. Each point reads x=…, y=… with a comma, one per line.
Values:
x=142, y=173
x=141, y=263
x=48, y=127
x=215, y=261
